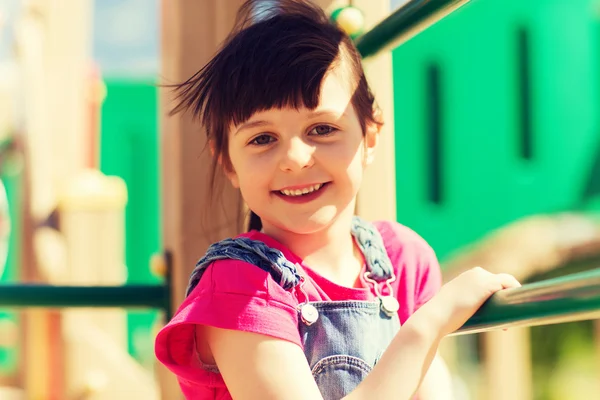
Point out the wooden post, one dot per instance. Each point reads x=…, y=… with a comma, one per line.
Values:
x=54, y=45
x=377, y=197
x=191, y=34
x=597, y=344
x=508, y=365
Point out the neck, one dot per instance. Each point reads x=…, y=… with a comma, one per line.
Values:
x=331, y=251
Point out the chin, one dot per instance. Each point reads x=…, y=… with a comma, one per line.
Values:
x=304, y=225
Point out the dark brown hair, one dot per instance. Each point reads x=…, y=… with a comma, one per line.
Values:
x=276, y=56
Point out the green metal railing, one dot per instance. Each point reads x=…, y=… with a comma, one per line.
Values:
x=157, y=296
x=569, y=298
x=404, y=23
x=574, y=297
x=50, y=296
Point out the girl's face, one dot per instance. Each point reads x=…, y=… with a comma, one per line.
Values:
x=298, y=170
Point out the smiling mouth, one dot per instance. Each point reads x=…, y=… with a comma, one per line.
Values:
x=303, y=191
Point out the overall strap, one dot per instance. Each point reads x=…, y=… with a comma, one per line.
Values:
x=251, y=251
x=371, y=244
x=281, y=269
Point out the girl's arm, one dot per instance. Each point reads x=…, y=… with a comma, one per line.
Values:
x=257, y=366
x=437, y=384
x=404, y=364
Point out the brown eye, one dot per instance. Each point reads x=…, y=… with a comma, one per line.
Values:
x=322, y=130
x=262, y=140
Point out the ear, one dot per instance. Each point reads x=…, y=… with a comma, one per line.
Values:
x=372, y=133
x=232, y=176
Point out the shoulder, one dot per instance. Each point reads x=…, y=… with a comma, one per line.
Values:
x=235, y=277
x=244, y=266
x=400, y=239
x=240, y=289
x=231, y=294
x=415, y=264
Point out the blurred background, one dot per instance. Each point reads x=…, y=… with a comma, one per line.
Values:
x=496, y=162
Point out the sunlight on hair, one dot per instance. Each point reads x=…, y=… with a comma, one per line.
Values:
x=264, y=10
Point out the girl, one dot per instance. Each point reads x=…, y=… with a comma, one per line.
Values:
x=308, y=304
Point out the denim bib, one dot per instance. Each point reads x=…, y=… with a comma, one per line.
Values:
x=342, y=340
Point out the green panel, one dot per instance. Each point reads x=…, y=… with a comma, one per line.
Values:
x=9, y=356
x=129, y=149
x=486, y=181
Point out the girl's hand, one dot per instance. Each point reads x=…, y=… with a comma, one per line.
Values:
x=401, y=369
x=460, y=298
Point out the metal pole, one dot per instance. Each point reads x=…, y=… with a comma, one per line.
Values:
x=569, y=298
x=49, y=296
x=404, y=23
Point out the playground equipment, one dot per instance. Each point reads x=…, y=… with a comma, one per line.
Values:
x=350, y=19
x=404, y=23
x=572, y=297
x=74, y=353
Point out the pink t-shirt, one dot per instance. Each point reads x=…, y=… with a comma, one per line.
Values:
x=236, y=295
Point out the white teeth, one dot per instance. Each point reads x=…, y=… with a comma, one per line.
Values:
x=300, y=192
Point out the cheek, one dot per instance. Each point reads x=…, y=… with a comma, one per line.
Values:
x=252, y=172
x=348, y=158
x=345, y=165
x=356, y=167
x=255, y=189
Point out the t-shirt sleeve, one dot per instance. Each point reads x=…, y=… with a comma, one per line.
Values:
x=429, y=276
x=231, y=295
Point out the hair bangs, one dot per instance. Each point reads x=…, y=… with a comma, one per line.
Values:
x=272, y=64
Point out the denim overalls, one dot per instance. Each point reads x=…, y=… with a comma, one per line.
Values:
x=342, y=339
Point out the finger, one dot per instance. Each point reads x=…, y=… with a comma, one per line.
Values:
x=508, y=281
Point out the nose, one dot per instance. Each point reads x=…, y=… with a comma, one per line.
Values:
x=298, y=155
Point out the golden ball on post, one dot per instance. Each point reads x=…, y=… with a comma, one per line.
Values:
x=349, y=19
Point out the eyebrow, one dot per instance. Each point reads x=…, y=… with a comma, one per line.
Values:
x=251, y=124
x=315, y=114
x=331, y=113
